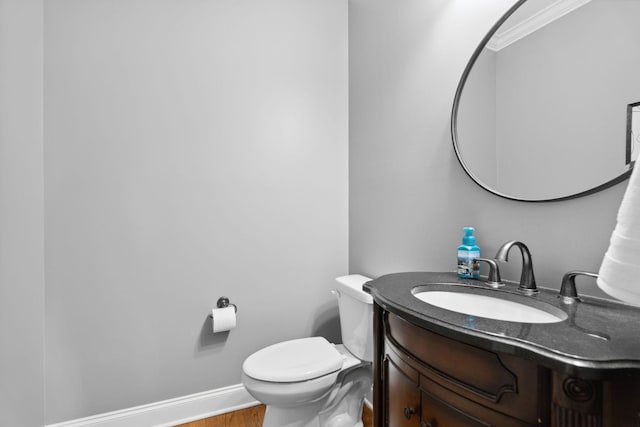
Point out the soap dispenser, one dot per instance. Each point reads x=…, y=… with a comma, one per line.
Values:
x=468, y=254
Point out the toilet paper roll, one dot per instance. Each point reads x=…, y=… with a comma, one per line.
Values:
x=223, y=319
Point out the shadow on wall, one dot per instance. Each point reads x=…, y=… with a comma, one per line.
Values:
x=209, y=340
x=327, y=323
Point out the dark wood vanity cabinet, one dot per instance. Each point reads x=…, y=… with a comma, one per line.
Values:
x=423, y=379
x=403, y=400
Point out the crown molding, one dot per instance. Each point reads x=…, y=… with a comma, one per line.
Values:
x=556, y=10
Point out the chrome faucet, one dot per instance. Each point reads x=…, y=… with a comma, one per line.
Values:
x=568, y=293
x=527, y=279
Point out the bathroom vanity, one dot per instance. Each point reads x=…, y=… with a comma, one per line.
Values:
x=435, y=367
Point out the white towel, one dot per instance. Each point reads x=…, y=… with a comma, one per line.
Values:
x=619, y=274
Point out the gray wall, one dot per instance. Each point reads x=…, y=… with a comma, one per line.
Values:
x=193, y=149
x=155, y=206
x=476, y=120
x=21, y=214
x=409, y=198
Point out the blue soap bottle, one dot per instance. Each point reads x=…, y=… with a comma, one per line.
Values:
x=468, y=253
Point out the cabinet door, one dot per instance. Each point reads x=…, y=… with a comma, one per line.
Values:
x=402, y=397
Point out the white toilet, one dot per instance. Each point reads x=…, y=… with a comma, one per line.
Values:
x=310, y=382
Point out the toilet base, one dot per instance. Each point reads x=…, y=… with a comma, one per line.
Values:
x=340, y=407
x=306, y=417
x=301, y=416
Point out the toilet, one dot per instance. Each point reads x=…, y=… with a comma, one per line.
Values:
x=311, y=382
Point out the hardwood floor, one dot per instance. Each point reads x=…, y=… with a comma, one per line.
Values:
x=252, y=417
x=367, y=416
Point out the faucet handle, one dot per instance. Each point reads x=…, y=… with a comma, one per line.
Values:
x=493, y=278
x=568, y=293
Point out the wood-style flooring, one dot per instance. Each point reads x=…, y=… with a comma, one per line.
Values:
x=252, y=417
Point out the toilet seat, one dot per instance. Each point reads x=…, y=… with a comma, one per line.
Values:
x=293, y=361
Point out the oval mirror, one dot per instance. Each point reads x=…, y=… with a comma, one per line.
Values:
x=548, y=104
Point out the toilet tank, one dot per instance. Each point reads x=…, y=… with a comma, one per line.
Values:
x=356, y=316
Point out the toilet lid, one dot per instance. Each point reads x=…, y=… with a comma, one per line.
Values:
x=293, y=361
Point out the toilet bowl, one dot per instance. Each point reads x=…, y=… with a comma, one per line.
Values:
x=311, y=382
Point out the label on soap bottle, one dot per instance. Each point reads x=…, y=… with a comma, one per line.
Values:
x=468, y=266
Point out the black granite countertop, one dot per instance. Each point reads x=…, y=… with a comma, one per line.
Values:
x=598, y=339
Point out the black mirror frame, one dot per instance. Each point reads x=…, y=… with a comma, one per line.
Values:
x=454, y=127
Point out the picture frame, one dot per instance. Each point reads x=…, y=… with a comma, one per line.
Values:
x=633, y=132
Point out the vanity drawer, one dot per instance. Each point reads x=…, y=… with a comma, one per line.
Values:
x=441, y=407
x=498, y=381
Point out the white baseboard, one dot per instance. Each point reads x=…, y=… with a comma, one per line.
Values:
x=171, y=412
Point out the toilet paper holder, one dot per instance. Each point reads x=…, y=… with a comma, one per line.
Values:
x=223, y=302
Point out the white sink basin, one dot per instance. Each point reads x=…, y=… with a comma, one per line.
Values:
x=491, y=307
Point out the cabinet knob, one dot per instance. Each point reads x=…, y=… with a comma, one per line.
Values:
x=408, y=412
